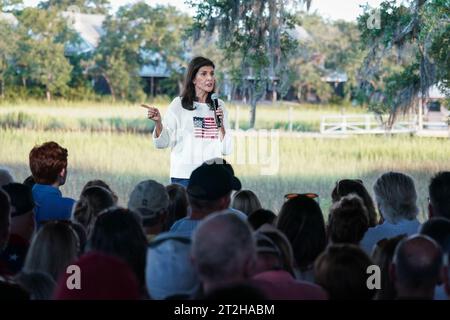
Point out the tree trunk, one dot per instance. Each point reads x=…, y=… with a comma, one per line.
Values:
x=252, y=113
x=108, y=82
x=253, y=100
x=2, y=89
x=49, y=95
x=152, y=86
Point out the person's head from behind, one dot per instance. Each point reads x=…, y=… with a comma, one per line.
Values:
x=342, y=271
x=178, y=204
x=274, y=251
x=169, y=271
x=5, y=218
x=48, y=164
x=23, y=222
x=199, y=78
x=149, y=199
x=301, y=220
x=117, y=232
x=209, y=189
x=245, y=201
x=223, y=250
x=92, y=201
x=437, y=229
x=5, y=176
x=439, y=194
x=52, y=249
x=382, y=256
x=39, y=285
x=103, y=184
x=261, y=217
x=345, y=187
x=348, y=220
x=103, y=277
x=80, y=230
x=416, y=267
x=396, y=197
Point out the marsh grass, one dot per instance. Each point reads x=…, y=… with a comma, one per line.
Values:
x=305, y=164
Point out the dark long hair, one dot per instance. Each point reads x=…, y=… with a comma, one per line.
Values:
x=118, y=233
x=178, y=205
x=188, y=95
x=302, y=222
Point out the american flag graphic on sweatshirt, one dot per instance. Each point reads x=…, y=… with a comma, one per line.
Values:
x=205, y=128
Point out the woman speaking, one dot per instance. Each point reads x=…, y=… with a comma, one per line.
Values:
x=195, y=125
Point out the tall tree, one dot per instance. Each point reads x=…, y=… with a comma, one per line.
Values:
x=83, y=6
x=405, y=43
x=41, y=49
x=255, y=35
x=8, y=45
x=136, y=36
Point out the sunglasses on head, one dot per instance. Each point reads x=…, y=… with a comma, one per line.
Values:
x=310, y=195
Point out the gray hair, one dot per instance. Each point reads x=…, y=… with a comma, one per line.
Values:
x=222, y=246
x=396, y=196
x=5, y=176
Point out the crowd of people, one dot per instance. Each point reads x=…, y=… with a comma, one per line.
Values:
x=212, y=239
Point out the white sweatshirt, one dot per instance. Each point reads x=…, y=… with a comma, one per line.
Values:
x=193, y=137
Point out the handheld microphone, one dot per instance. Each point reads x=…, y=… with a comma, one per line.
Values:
x=215, y=101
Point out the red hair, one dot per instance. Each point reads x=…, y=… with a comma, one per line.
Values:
x=47, y=161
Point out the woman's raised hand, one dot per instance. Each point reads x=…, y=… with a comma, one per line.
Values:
x=153, y=113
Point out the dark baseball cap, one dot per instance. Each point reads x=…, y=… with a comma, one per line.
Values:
x=211, y=181
x=225, y=164
x=21, y=198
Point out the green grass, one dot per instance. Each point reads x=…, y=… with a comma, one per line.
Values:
x=104, y=116
x=305, y=164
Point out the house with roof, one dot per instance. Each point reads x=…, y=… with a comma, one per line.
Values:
x=90, y=29
x=435, y=113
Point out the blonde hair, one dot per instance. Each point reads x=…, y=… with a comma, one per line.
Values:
x=92, y=201
x=245, y=201
x=52, y=249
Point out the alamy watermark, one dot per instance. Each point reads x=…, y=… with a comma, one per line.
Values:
x=74, y=279
x=374, y=277
x=257, y=149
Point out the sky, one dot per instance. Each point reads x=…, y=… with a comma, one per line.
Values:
x=331, y=9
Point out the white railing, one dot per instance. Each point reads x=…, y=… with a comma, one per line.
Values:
x=364, y=124
x=435, y=125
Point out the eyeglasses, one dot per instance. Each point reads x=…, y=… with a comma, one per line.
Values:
x=310, y=195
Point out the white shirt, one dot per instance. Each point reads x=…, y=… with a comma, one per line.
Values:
x=193, y=137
